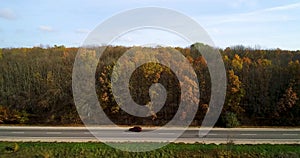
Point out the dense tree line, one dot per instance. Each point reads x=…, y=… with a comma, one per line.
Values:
x=263, y=86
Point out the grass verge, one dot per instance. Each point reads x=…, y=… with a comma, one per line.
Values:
x=92, y=149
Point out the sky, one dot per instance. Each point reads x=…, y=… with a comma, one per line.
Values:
x=268, y=24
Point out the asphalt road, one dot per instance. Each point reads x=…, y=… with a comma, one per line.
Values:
x=191, y=135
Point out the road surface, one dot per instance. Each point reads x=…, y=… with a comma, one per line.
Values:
x=191, y=135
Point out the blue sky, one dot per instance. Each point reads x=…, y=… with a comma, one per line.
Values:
x=267, y=23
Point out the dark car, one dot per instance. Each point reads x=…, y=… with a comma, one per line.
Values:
x=135, y=129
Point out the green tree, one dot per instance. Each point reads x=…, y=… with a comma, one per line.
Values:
x=1, y=54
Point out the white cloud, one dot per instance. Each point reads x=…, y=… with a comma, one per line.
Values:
x=150, y=37
x=266, y=27
x=284, y=7
x=126, y=39
x=45, y=28
x=7, y=13
x=279, y=13
x=83, y=31
x=239, y=3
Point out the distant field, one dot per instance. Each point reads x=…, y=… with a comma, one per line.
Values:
x=47, y=150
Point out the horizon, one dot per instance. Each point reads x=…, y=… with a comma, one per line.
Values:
x=257, y=47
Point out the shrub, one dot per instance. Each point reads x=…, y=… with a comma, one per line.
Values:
x=230, y=120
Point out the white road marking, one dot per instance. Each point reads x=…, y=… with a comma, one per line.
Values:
x=248, y=134
x=166, y=133
x=289, y=134
x=53, y=132
x=18, y=132
x=212, y=134
x=130, y=132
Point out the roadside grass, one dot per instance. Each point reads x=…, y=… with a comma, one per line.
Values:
x=93, y=149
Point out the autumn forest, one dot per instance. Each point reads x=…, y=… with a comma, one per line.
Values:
x=263, y=86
